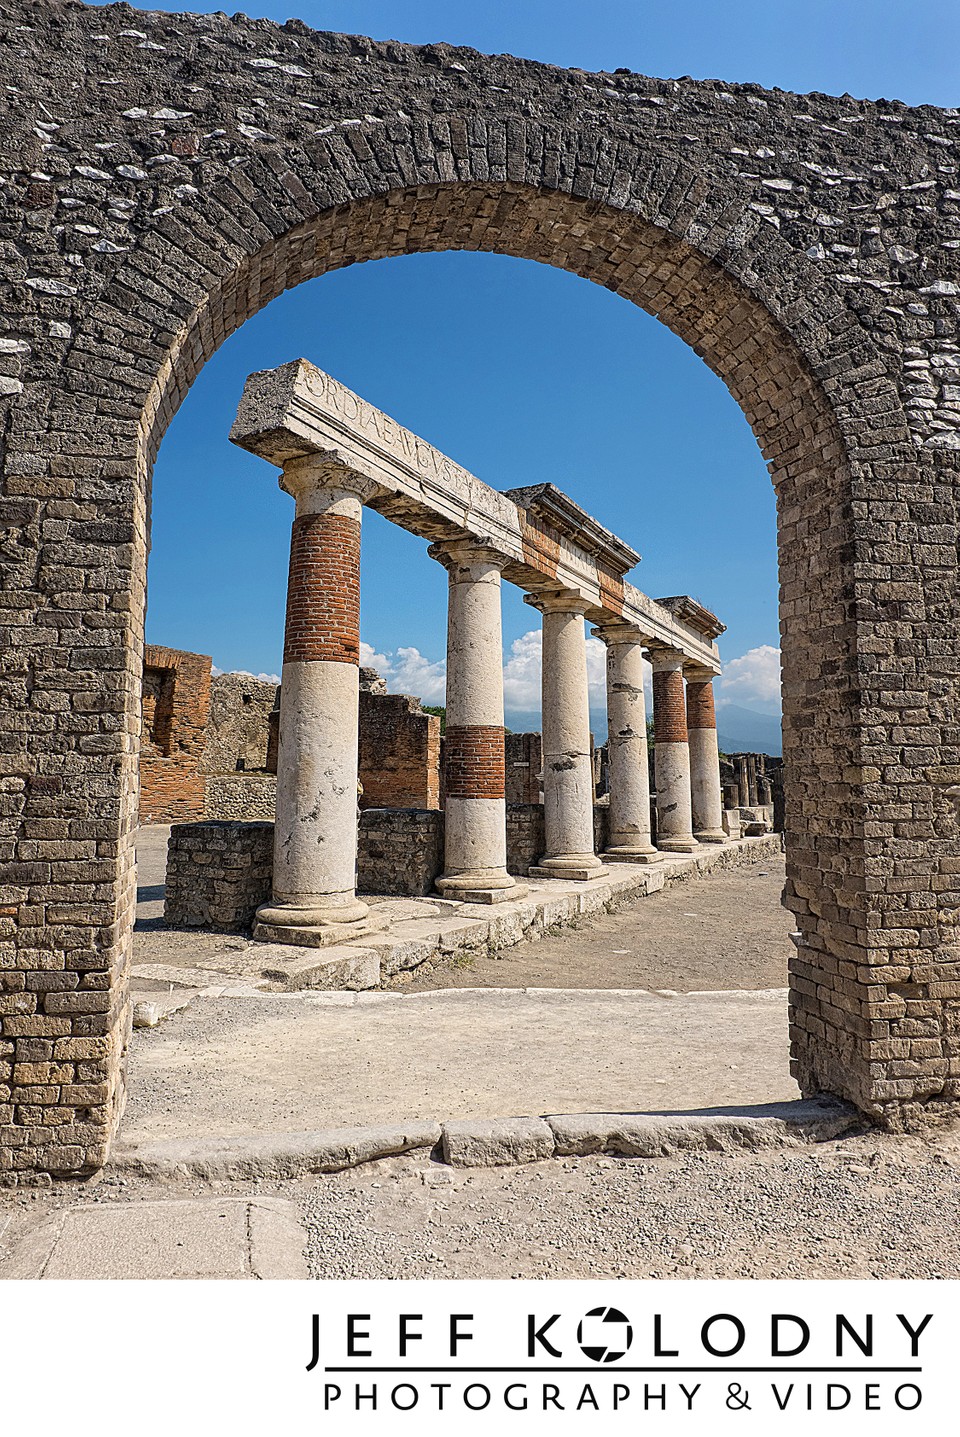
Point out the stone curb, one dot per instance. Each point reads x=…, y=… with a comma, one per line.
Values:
x=493, y=1142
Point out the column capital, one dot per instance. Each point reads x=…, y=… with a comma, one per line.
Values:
x=312, y=474
x=699, y=674
x=665, y=660
x=622, y=633
x=558, y=601
x=461, y=553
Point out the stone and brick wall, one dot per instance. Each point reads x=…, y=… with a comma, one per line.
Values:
x=175, y=709
x=237, y=737
x=807, y=246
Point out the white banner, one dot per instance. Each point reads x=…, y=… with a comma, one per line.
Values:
x=527, y=1357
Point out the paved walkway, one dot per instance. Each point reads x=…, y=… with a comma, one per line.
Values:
x=209, y=1237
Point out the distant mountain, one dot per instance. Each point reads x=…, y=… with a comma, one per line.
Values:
x=742, y=730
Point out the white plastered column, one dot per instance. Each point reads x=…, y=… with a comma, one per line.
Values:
x=671, y=758
x=706, y=795
x=568, y=785
x=628, y=839
x=315, y=843
x=475, y=813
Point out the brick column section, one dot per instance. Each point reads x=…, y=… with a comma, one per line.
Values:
x=475, y=815
x=628, y=838
x=315, y=841
x=671, y=755
x=568, y=787
x=705, y=793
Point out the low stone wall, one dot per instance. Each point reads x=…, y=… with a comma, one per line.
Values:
x=241, y=797
x=219, y=872
x=217, y=875
x=399, y=851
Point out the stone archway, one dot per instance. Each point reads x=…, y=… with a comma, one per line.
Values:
x=232, y=164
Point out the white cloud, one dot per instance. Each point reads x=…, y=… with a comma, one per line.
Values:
x=245, y=674
x=407, y=671
x=752, y=680
x=522, y=670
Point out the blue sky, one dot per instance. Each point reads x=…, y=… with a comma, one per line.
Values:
x=519, y=372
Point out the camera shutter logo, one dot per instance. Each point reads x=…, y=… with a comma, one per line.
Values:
x=604, y=1334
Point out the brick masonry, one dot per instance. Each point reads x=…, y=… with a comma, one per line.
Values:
x=808, y=247
x=323, y=591
x=669, y=714
x=176, y=708
x=701, y=711
x=473, y=761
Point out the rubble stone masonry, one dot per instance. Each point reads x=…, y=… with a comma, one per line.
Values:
x=164, y=177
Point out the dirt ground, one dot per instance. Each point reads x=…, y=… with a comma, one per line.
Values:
x=861, y=1207
x=728, y=930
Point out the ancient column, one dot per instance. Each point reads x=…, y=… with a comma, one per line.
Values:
x=627, y=761
x=567, y=758
x=475, y=814
x=671, y=755
x=315, y=844
x=705, y=791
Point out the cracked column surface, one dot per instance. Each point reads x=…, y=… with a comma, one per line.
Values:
x=475, y=811
x=568, y=786
x=628, y=763
x=671, y=754
x=706, y=797
x=315, y=839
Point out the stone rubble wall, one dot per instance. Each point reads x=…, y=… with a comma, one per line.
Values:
x=217, y=875
x=241, y=797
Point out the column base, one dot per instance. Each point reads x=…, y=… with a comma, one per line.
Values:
x=578, y=867
x=711, y=835
x=623, y=853
x=466, y=888
x=677, y=845
x=317, y=926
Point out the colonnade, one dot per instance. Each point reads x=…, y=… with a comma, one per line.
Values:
x=314, y=898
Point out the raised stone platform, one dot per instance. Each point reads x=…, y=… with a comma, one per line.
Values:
x=416, y=930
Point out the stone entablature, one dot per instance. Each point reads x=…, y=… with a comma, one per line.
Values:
x=296, y=411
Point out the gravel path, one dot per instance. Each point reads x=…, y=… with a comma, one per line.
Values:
x=866, y=1207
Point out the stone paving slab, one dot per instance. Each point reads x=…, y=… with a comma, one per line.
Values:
x=219, y=1238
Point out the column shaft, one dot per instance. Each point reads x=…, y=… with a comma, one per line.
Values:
x=671, y=755
x=705, y=791
x=315, y=845
x=627, y=758
x=475, y=818
x=568, y=787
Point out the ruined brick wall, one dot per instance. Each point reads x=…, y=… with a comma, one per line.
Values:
x=399, y=752
x=807, y=247
x=526, y=838
x=176, y=706
x=524, y=764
